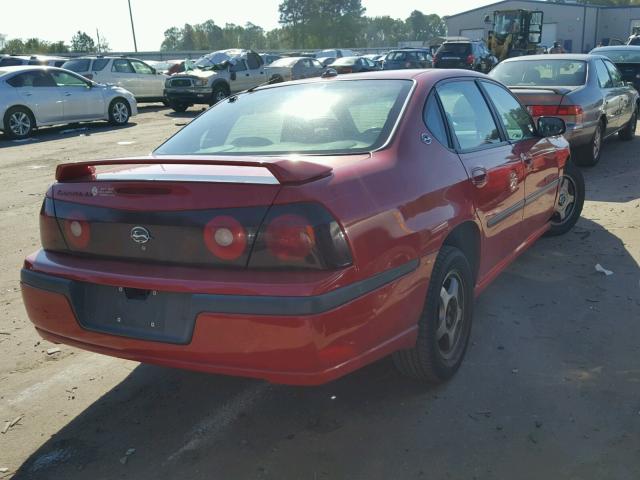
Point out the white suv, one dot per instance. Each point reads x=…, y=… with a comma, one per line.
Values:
x=146, y=84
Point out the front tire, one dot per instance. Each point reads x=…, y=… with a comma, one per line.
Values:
x=589, y=155
x=19, y=123
x=179, y=107
x=569, y=202
x=444, y=326
x=219, y=93
x=629, y=131
x=119, y=112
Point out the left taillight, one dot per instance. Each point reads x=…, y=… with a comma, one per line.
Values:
x=50, y=234
x=301, y=235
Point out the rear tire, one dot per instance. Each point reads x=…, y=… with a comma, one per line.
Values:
x=444, y=326
x=119, y=112
x=19, y=123
x=569, y=202
x=589, y=155
x=629, y=130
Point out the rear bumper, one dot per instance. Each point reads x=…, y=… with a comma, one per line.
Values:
x=291, y=340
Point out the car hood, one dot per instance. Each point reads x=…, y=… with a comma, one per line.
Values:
x=198, y=73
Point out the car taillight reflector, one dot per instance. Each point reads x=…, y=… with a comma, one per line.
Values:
x=77, y=231
x=552, y=110
x=290, y=237
x=225, y=237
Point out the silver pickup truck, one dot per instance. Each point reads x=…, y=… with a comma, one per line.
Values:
x=215, y=77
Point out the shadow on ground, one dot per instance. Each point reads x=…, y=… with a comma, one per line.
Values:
x=47, y=134
x=548, y=390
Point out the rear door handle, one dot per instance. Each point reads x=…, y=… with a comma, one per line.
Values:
x=479, y=176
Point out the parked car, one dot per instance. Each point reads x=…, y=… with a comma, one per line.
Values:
x=335, y=53
x=407, y=193
x=16, y=60
x=214, y=77
x=130, y=73
x=375, y=58
x=407, y=58
x=269, y=58
x=470, y=54
x=293, y=68
x=35, y=96
x=626, y=59
x=354, y=65
x=587, y=91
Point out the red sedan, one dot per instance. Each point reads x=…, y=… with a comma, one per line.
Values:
x=299, y=231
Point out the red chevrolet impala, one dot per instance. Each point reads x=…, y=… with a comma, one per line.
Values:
x=299, y=231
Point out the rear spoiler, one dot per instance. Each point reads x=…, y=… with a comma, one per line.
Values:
x=556, y=90
x=286, y=171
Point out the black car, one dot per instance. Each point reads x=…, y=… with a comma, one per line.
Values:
x=354, y=65
x=468, y=54
x=407, y=58
x=626, y=58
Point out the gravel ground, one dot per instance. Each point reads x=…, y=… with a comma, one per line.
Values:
x=549, y=388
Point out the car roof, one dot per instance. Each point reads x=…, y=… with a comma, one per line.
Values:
x=25, y=68
x=553, y=56
x=616, y=47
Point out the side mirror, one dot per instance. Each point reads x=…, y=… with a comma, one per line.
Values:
x=551, y=126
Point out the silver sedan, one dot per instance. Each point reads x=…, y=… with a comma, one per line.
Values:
x=586, y=91
x=34, y=96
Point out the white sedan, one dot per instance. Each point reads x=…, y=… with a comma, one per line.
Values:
x=34, y=96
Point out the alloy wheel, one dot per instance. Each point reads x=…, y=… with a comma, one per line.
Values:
x=20, y=124
x=566, y=201
x=120, y=112
x=450, y=314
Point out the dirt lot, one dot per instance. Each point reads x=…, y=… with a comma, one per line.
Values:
x=549, y=388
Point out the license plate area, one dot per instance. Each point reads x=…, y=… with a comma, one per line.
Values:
x=135, y=313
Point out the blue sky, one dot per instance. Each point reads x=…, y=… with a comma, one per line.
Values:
x=59, y=19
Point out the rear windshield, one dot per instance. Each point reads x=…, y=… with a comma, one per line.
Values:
x=80, y=65
x=621, y=56
x=322, y=118
x=557, y=73
x=455, y=48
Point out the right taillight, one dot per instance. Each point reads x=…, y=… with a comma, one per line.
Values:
x=300, y=236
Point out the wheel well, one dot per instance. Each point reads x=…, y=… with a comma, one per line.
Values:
x=603, y=119
x=124, y=100
x=466, y=237
x=33, y=117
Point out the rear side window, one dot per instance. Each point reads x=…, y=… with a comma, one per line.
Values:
x=32, y=79
x=10, y=62
x=616, y=77
x=603, y=75
x=99, y=64
x=78, y=65
x=433, y=120
x=468, y=115
x=121, y=66
x=515, y=118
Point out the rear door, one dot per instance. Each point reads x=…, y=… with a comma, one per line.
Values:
x=37, y=90
x=242, y=75
x=609, y=97
x=539, y=156
x=123, y=75
x=256, y=69
x=496, y=172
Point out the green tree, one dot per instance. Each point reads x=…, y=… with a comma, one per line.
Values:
x=188, y=38
x=14, y=46
x=172, y=39
x=82, y=42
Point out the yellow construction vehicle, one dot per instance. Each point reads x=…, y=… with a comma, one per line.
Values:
x=514, y=33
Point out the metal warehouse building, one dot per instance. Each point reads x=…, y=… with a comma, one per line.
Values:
x=579, y=28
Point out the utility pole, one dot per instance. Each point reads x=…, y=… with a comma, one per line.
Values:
x=98, y=35
x=133, y=30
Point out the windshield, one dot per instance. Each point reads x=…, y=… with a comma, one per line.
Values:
x=621, y=56
x=284, y=62
x=316, y=118
x=557, y=73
